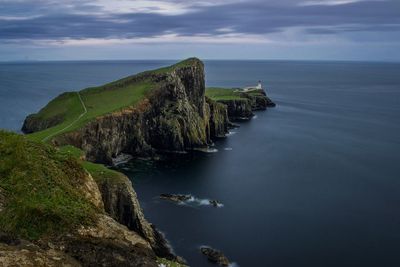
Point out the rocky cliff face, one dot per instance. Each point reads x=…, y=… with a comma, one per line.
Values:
x=243, y=107
x=121, y=203
x=175, y=116
x=107, y=241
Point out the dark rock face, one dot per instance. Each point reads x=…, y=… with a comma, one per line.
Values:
x=32, y=123
x=215, y=256
x=174, y=117
x=215, y=203
x=242, y=109
x=175, y=197
x=219, y=120
x=121, y=203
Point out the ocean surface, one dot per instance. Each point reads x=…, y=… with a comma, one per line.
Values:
x=312, y=182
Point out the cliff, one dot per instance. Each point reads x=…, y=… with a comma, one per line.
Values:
x=53, y=212
x=240, y=104
x=173, y=115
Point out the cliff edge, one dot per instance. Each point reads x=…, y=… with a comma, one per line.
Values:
x=53, y=213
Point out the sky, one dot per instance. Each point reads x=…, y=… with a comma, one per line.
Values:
x=210, y=29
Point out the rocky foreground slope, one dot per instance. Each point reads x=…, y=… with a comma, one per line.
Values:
x=54, y=212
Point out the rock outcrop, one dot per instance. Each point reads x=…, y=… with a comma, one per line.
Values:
x=17, y=253
x=243, y=107
x=215, y=256
x=121, y=203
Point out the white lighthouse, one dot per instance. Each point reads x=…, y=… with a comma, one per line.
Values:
x=257, y=87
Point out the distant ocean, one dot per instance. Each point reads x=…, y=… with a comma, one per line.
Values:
x=312, y=182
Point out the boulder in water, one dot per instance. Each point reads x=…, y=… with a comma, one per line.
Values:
x=215, y=256
x=214, y=203
x=176, y=197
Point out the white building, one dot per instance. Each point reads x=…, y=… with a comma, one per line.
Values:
x=257, y=87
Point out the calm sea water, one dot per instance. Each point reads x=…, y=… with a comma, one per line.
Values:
x=312, y=182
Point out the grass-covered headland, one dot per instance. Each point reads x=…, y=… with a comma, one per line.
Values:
x=67, y=107
x=40, y=185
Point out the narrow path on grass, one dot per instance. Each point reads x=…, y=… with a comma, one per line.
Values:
x=72, y=123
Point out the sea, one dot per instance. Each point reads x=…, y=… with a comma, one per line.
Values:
x=314, y=181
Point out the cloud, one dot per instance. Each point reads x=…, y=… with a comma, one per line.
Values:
x=84, y=21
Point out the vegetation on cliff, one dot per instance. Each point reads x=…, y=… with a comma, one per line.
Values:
x=240, y=104
x=41, y=188
x=217, y=93
x=62, y=114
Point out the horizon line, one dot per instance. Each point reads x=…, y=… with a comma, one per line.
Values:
x=205, y=59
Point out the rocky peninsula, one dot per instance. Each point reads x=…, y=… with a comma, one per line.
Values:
x=60, y=206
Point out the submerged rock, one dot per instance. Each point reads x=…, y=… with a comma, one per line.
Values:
x=176, y=197
x=215, y=256
x=215, y=203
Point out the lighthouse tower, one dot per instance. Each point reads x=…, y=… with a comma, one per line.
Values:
x=259, y=86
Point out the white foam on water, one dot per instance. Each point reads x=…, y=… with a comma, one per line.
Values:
x=228, y=148
x=230, y=133
x=121, y=159
x=233, y=264
x=194, y=201
x=255, y=117
x=203, y=202
x=207, y=150
x=206, y=202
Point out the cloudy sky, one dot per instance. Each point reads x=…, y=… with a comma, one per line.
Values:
x=210, y=29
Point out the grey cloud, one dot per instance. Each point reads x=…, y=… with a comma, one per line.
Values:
x=83, y=19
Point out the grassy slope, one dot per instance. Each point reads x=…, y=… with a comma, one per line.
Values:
x=40, y=183
x=222, y=94
x=98, y=171
x=99, y=101
x=216, y=93
x=41, y=188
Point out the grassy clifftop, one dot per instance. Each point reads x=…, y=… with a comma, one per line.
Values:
x=70, y=111
x=216, y=93
x=40, y=185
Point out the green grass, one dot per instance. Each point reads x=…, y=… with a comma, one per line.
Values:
x=216, y=93
x=99, y=172
x=222, y=94
x=41, y=185
x=181, y=64
x=99, y=101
